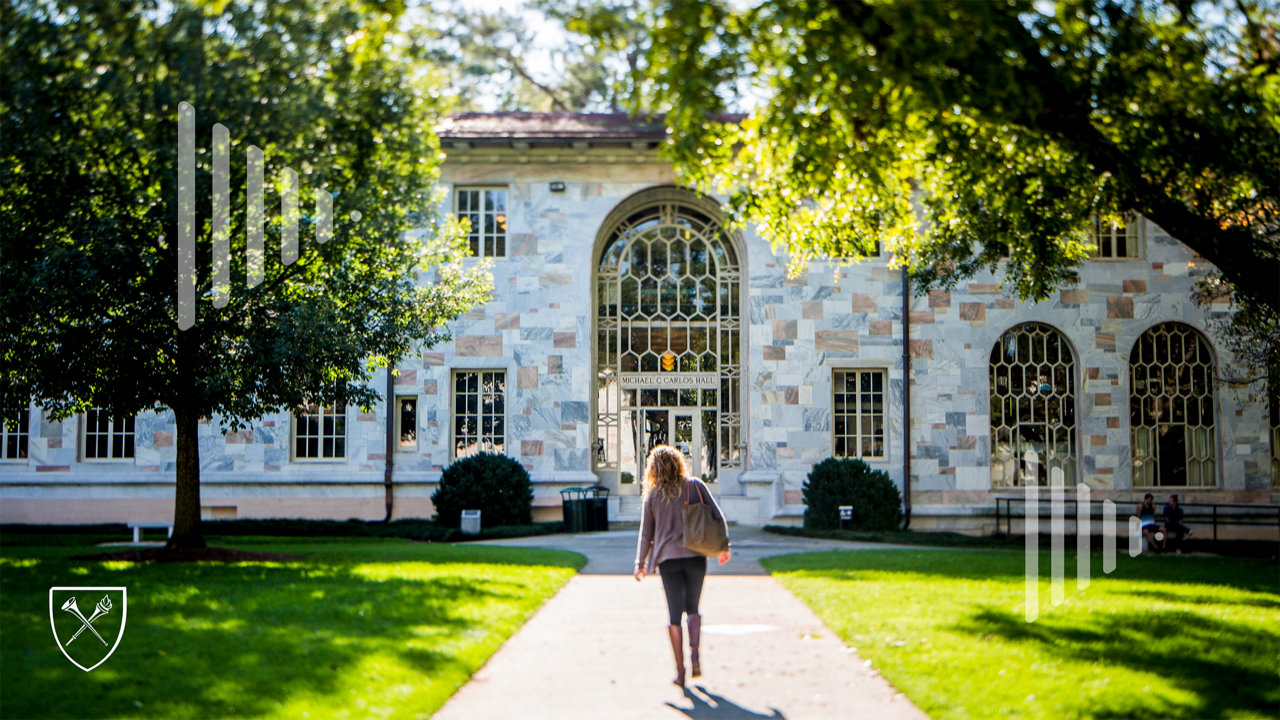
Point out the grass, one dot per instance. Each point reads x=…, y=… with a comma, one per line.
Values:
x=1161, y=637
x=901, y=537
x=409, y=529
x=1266, y=549
x=362, y=627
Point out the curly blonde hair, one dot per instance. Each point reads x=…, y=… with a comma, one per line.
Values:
x=665, y=471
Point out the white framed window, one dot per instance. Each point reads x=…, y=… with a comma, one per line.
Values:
x=15, y=431
x=107, y=438
x=858, y=413
x=486, y=208
x=320, y=433
x=407, y=422
x=479, y=412
x=1117, y=241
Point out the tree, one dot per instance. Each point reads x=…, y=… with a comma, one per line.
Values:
x=960, y=133
x=595, y=68
x=89, y=95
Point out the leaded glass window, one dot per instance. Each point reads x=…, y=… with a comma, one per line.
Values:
x=668, y=304
x=1033, y=408
x=1171, y=408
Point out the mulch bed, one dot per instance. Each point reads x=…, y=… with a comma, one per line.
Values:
x=167, y=554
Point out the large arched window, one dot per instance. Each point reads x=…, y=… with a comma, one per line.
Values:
x=1033, y=407
x=668, y=334
x=1171, y=408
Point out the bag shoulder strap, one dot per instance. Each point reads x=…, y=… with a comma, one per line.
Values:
x=689, y=484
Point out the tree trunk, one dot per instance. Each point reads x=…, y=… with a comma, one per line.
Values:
x=187, y=530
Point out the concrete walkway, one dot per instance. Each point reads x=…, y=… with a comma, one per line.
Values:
x=598, y=650
x=614, y=552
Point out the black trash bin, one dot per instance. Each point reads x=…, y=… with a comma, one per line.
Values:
x=575, y=510
x=596, y=501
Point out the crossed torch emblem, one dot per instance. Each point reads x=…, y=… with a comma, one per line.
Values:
x=103, y=607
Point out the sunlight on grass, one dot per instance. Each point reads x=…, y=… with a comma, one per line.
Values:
x=1161, y=637
x=359, y=628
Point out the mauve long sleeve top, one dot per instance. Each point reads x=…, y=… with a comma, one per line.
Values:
x=662, y=525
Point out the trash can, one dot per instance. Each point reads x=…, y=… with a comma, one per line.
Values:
x=596, y=501
x=575, y=509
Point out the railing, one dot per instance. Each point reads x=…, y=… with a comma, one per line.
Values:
x=1206, y=514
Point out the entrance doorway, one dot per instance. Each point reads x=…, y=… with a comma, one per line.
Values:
x=679, y=429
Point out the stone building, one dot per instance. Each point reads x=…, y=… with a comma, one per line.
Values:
x=625, y=315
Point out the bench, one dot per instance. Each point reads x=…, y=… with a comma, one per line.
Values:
x=138, y=527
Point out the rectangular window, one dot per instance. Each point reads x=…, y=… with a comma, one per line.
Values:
x=479, y=412
x=1275, y=440
x=407, y=422
x=320, y=433
x=107, y=438
x=486, y=208
x=858, y=408
x=1117, y=240
x=15, y=428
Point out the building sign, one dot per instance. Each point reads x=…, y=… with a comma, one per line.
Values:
x=670, y=380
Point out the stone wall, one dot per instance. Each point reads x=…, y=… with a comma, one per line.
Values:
x=537, y=328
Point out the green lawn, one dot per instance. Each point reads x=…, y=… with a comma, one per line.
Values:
x=1161, y=637
x=362, y=627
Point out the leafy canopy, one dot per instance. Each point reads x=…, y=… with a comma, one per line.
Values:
x=89, y=97
x=959, y=133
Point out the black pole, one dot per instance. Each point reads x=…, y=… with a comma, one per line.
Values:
x=390, y=462
x=906, y=399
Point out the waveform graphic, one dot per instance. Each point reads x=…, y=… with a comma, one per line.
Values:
x=220, y=220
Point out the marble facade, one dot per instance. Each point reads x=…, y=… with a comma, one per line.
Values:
x=538, y=327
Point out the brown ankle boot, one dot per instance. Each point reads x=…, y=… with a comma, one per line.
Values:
x=677, y=647
x=695, y=636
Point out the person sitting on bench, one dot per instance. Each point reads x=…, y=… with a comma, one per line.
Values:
x=1174, y=529
x=1147, y=515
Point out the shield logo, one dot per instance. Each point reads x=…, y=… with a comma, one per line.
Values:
x=88, y=622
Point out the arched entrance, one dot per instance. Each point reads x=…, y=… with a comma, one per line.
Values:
x=668, y=338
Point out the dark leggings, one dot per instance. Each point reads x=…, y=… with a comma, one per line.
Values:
x=682, y=582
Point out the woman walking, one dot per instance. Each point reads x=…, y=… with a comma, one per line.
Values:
x=667, y=490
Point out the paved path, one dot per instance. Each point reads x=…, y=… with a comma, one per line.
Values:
x=598, y=650
x=614, y=552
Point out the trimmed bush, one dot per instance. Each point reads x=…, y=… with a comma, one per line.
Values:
x=877, y=504
x=496, y=485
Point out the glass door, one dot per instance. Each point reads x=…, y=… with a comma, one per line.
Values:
x=684, y=435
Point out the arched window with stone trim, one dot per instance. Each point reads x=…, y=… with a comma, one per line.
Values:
x=1033, y=407
x=668, y=337
x=1172, y=408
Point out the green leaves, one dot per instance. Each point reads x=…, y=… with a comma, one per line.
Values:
x=962, y=134
x=88, y=162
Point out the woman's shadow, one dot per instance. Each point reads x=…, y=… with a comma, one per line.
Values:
x=722, y=709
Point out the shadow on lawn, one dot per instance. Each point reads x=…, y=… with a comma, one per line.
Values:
x=1227, y=669
x=1249, y=574
x=1188, y=598
x=202, y=639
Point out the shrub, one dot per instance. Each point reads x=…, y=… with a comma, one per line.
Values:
x=496, y=485
x=877, y=504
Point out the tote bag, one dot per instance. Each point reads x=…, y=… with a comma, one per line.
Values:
x=703, y=533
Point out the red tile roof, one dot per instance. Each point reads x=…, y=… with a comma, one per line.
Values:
x=555, y=126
